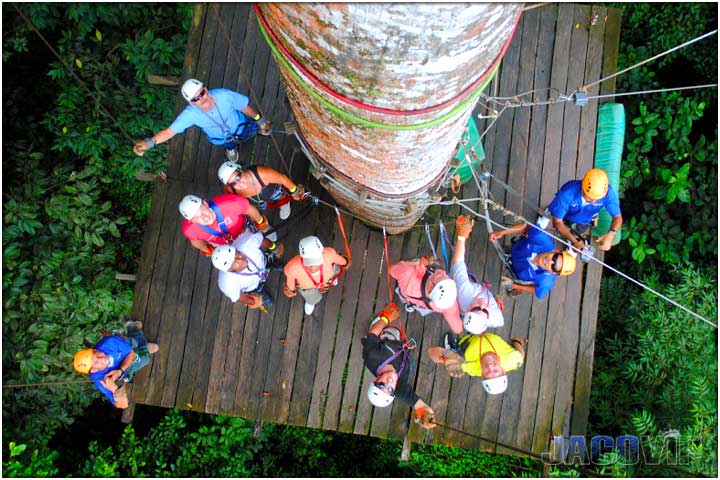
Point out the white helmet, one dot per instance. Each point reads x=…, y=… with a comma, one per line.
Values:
x=190, y=88
x=227, y=169
x=476, y=321
x=223, y=257
x=311, y=251
x=444, y=293
x=190, y=205
x=496, y=385
x=378, y=397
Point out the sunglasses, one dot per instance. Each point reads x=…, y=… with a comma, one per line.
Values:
x=381, y=385
x=555, y=262
x=199, y=95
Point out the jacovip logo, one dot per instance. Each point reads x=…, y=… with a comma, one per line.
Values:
x=576, y=450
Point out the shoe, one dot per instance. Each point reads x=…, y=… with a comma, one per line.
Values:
x=285, y=211
x=309, y=309
x=451, y=342
x=506, y=282
x=152, y=348
x=390, y=333
x=133, y=324
x=232, y=155
x=267, y=299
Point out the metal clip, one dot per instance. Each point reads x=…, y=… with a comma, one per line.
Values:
x=410, y=344
x=581, y=98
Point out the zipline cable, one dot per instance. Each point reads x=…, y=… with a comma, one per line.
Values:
x=659, y=90
x=97, y=100
x=47, y=384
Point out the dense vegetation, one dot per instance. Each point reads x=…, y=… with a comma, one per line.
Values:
x=73, y=217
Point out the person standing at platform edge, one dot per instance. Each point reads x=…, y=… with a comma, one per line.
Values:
x=314, y=271
x=115, y=358
x=209, y=223
x=576, y=205
x=265, y=187
x=486, y=356
x=390, y=360
x=225, y=116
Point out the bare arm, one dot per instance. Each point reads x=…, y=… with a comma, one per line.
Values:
x=605, y=241
x=162, y=136
x=517, y=229
x=204, y=247
x=563, y=230
x=260, y=221
x=270, y=175
x=524, y=288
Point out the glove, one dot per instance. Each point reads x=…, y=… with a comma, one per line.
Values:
x=208, y=251
x=265, y=126
x=255, y=301
x=289, y=293
x=463, y=226
x=425, y=417
x=391, y=312
x=453, y=365
x=299, y=192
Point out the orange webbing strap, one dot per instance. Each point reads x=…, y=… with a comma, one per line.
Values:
x=403, y=335
x=335, y=278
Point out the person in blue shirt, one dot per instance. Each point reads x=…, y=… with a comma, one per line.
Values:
x=225, y=116
x=115, y=358
x=577, y=203
x=534, y=260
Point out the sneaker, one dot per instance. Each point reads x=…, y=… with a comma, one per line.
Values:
x=232, y=155
x=133, y=324
x=309, y=309
x=285, y=211
x=451, y=342
x=506, y=282
x=152, y=348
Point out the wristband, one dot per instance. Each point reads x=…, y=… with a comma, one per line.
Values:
x=257, y=117
x=273, y=246
x=384, y=319
x=293, y=189
x=261, y=221
x=613, y=230
x=460, y=237
x=149, y=142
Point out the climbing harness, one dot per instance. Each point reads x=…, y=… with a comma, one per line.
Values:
x=224, y=234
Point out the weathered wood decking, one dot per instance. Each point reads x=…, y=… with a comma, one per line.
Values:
x=287, y=368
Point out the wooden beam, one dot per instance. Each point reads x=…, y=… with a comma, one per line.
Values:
x=129, y=277
x=163, y=81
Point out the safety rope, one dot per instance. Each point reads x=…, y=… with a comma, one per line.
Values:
x=429, y=239
x=643, y=62
x=529, y=453
x=391, y=296
x=47, y=384
x=388, y=111
x=659, y=90
x=57, y=55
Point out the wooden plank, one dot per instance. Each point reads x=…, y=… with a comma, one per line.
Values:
x=219, y=356
x=610, y=51
x=588, y=113
x=244, y=405
x=237, y=33
x=235, y=346
x=517, y=324
x=586, y=347
x=347, y=406
x=537, y=313
x=347, y=297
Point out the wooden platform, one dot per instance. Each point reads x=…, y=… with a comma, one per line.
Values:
x=284, y=367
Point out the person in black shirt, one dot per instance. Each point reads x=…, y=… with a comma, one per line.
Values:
x=389, y=359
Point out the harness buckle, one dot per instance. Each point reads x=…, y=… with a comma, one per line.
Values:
x=410, y=344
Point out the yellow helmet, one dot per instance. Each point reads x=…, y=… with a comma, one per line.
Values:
x=595, y=183
x=568, y=266
x=83, y=361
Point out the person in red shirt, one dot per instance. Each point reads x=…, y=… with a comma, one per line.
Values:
x=218, y=221
x=425, y=287
x=313, y=271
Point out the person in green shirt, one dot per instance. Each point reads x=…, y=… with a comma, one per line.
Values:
x=486, y=355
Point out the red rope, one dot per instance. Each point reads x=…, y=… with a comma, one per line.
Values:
x=387, y=111
x=403, y=335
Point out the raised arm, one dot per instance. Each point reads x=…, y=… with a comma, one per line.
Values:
x=142, y=146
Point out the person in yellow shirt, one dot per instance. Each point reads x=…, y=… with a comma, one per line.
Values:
x=486, y=355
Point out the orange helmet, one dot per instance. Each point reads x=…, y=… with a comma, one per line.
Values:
x=595, y=183
x=568, y=266
x=83, y=361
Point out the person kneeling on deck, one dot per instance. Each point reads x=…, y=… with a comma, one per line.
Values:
x=312, y=272
x=243, y=269
x=425, y=287
x=534, y=260
x=263, y=186
x=486, y=356
x=209, y=223
x=575, y=207
x=115, y=358
x=480, y=309
x=390, y=360
x=226, y=118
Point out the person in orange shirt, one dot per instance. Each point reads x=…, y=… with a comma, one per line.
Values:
x=313, y=271
x=425, y=287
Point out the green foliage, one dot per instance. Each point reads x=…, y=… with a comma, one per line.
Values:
x=440, y=461
x=656, y=370
x=72, y=213
x=34, y=465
